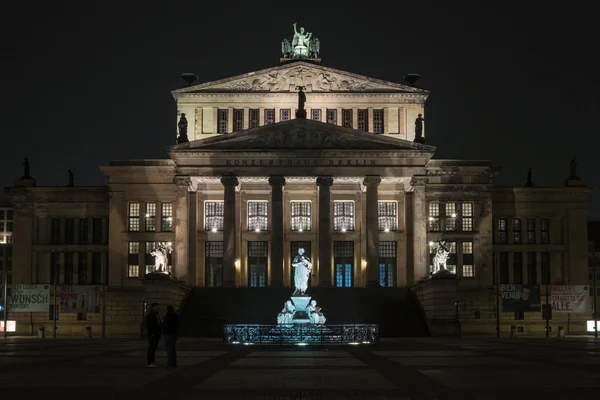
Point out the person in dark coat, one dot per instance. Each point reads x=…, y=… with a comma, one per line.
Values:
x=170, y=327
x=154, y=328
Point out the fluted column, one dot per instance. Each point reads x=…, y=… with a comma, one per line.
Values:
x=277, y=183
x=372, y=182
x=229, y=247
x=324, y=183
x=181, y=267
x=420, y=264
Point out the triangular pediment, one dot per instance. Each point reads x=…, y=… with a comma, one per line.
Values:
x=301, y=134
x=287, y=77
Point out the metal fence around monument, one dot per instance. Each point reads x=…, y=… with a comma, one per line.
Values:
x=301, y=334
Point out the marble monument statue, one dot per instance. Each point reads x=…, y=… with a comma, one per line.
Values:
x=316, y=316
x=286, y=315
x=440, y=258
x=302, y=268
x=300, y=42
x=160, y=253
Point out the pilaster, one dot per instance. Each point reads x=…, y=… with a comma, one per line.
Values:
x=229, y=230
x=181, y=248
x=419, y=209
x=277, y=183
x=372, y=182
x=324, y=183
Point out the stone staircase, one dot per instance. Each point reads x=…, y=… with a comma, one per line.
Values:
x=396, y=310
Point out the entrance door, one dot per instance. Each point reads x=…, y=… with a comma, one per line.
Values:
x=257, y=263
x=343, y=261
x=213, y=264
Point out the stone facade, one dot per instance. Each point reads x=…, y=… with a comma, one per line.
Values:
x=253, y=183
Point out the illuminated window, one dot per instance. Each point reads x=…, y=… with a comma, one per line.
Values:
x=516, y=230
x=214, y=264
x=222, y=117
x=434, y=217
x=531, y=230
x=343, y=216
x=468, y=268
x=150, y=218
x=502, y=230
x=343, y=260
x=166, y=224
x=377, y=121
x=387, y=215
x=257, y=215
x=332, y=116
x=387, y=263
x=134, y=216
x=258, y=253
x=347, y=118
x=285, y=114
x=213, y=216
x=269, y=116
x=254, y=118
x=6, y=226
x=301, y=215
x=545, y=230
x=315, y=114
x=467, y=217
x=451, y=217
x=238, y=120
x=133, y=257
x=363, y=120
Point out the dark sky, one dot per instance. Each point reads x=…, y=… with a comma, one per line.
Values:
x=83, y=84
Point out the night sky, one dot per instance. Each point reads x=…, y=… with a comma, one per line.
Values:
x=83, y=84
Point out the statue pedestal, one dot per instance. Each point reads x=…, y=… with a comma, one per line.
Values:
x=301, y=315
x=300, y=51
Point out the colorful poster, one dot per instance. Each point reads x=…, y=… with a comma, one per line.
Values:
x=521, y=298
x=570, y=298
x=80, y=299
x=29, y=298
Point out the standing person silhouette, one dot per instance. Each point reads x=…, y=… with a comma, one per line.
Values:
x=170, y=328
x=154, y=328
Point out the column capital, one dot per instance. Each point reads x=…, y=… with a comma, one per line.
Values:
x=419, y=181
x=229, y=180
x=277, y=180
x=183, y=180
x=324, y=180
x=372, y=180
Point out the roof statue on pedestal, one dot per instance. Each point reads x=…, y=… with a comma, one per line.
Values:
x=303, y=45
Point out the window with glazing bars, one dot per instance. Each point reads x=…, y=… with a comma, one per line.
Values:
x=343, y=216
x=378, y=121
x=97, y=237
x=347, y=118
x=468, y=267
x=343, y=259
x=315, y=114
x=363, y=120
x=516, y=230
x=387, y=214
x=253, y=118
x=301, y=215
x=502, y=230
x=82, y=268
x=222, y=119
x=213, y=216
x=545, y=230
x=332, y=116
x=70, y=230
x=214, y=264
x=257, y=264
x=257, y=215
x=531, y=268
x=531, y=230
x=451, y=217
x=285, y=114
x=133, y=257
x=269, y=116
x=84, y=226
x=150, y=218
x=545, y=264
x=238, y=120
x=518, y=267
x=166, y=217
x=68, y=272
x=434, y=217
x=504, y=276
x=387, y=263
x=467, y=217
x=134, y=216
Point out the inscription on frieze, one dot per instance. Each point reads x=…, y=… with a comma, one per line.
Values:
x=301, y=162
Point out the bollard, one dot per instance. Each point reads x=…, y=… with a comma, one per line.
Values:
x=42, y=332
x=88, y=332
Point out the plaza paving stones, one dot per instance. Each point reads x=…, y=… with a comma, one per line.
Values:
x=401, y=369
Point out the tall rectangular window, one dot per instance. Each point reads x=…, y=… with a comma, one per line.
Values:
x=55, y=231
x=545, y=230
x=213, y=216
x=347, y=118
x=6, y=226
x=269, y=116
x=378, y=121
x=166, y=223
x=468, y=267
x=213, y=264
x=97, y=268
x=467, y=217
x=502, y=230
x=301, y=215
x=434, y=217
x=222, y=120
x=516, y=230
x=285, y=114
x=55, y=268
x=82, y=268
x=257, y=215
x=387, y=263
x=97, y=237
x=254, y=118
x=343, y=260
x=387, y=213
x=133, y=260
x=134, y=216
x=70, y=230
x=238, y=120
x=258, y=253
x=518, y=267
x=450, y=217
x=504, y=276
x=332, y=116
x=546, y=275
x=315, y=114
x=363, y=120
x=531, y=230
x=531, y=268
x=343, y=216
x=84, y=234
x=150, y=218
x=69, y=269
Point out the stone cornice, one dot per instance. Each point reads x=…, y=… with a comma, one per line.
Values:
x=337, y=95
x=190, y=154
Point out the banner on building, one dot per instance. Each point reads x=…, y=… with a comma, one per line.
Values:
x=29, y=298
x=570, y=298
x=80, y=299
x=520, y=298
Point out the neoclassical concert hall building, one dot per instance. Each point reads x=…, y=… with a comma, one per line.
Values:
x=301, y=155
